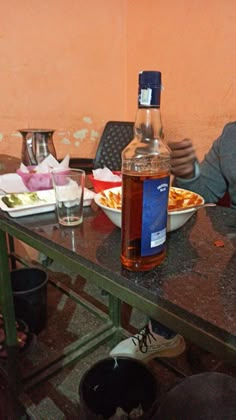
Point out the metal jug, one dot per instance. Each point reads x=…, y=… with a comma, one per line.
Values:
x=37, y=145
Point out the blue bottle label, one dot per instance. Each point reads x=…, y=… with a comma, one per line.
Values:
x=154, y=215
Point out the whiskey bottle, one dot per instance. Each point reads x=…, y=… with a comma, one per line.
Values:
x=145, y=182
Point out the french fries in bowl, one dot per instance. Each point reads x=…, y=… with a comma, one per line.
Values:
x=180, y=207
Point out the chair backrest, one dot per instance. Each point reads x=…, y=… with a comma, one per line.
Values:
x=115, y=137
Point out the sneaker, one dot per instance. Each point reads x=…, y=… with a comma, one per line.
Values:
x=146, y=345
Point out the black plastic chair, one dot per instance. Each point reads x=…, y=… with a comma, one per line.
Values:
x=115, y=137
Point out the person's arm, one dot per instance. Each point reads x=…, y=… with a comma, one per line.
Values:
x=182, y=158
x=207, y=179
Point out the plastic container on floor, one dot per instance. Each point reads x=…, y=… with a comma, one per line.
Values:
x=29, y=286
x=117, y=385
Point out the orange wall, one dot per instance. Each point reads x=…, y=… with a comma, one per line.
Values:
x=193, y=43
x=62, y=66
x=72, y=65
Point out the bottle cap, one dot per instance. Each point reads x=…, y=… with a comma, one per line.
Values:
x=149, y=92
x=150, y=79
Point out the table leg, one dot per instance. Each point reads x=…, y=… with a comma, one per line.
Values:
x=11, y=245
x=7, y=309
x=115, y=310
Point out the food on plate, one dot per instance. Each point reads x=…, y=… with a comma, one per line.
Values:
x=21, y=199
x=182, y=199
x=178, y=199
x=112, y=199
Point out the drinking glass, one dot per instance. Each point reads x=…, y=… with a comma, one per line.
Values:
x=69, y=192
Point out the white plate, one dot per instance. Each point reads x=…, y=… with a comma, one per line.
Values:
x=48, y=203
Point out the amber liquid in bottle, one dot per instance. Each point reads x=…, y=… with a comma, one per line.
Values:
x=132, y=224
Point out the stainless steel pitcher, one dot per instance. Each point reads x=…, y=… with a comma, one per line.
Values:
x=36, y=146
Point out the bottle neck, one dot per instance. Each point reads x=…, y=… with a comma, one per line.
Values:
x=148, y=123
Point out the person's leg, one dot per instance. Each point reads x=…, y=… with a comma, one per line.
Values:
x=160, y=329
x=154, y=340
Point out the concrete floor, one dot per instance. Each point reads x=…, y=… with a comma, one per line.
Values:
x=58, y=398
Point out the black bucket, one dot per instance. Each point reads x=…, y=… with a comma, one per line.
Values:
x=115, y=385
x=29, y=286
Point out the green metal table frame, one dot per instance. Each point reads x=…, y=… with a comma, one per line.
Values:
x=77, y=349
x=111, y=328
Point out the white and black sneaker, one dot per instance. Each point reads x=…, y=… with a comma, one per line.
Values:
x=146, y=345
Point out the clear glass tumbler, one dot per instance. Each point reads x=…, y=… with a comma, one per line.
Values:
x=69, y=192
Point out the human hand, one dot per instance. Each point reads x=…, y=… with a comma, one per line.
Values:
x=182, y=158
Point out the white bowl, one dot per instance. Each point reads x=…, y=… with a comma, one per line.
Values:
x=176, y=219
